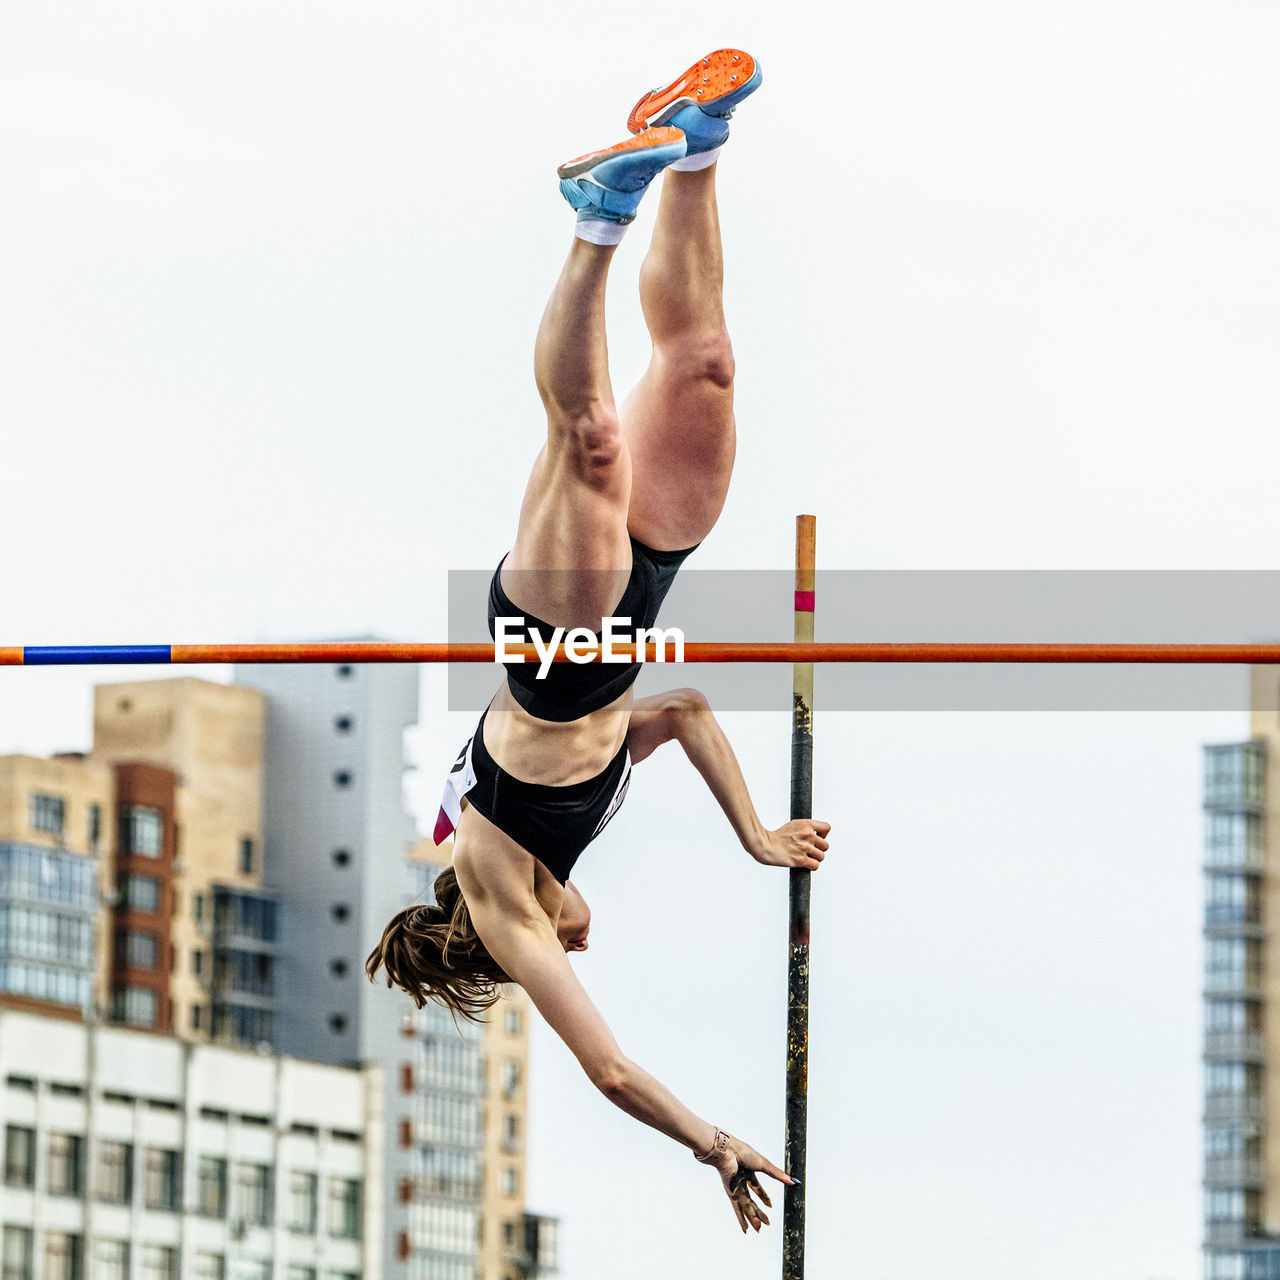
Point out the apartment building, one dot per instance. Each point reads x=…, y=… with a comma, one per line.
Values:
x=130, y=1155
x=189, y=756
x=1241, y=996
x=222, y=845
x=56, y=882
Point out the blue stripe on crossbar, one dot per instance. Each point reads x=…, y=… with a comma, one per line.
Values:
x=72, y=654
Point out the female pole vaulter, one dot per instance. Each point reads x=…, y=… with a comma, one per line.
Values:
x=617, y=500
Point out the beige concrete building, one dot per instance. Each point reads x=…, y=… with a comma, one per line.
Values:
x=222, y=924
x=57, y=882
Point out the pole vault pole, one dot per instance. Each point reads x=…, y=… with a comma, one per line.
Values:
x=798, y=941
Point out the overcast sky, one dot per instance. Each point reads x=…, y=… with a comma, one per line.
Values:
x=1002, y=283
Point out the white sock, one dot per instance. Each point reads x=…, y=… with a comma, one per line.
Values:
x=703, y=160
x=600, y=230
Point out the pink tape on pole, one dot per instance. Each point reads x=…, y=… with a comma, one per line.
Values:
x=804, y=601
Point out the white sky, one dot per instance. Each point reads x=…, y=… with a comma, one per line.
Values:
x=1002, y=287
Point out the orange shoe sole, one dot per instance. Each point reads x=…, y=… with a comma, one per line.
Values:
x=714, y=77
x=639, y=141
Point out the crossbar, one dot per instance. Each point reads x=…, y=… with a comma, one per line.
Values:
x=694, y=651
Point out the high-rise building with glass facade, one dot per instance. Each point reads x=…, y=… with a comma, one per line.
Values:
x=338, y=835
x=1242, y=998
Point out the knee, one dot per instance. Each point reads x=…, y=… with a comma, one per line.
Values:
x=707, y=357
x=593, y=438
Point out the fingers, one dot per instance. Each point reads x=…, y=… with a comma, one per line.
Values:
x=774, y=1172
x=749, y=1214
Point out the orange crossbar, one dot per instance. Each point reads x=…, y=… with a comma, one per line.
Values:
x=742, y=651
x=753, y=651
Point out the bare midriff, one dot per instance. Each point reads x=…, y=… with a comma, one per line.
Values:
x=550, y=752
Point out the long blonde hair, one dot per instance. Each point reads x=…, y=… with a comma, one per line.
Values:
x=433, y=952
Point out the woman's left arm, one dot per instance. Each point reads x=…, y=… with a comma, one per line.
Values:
x=684, y=716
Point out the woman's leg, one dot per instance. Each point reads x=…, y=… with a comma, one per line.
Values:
x=571, y=557
x=679, y=420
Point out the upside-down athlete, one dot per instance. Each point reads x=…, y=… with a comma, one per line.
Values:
x=616, y=502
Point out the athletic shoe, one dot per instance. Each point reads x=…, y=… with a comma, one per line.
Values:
x=700, y=101
x=609, y=184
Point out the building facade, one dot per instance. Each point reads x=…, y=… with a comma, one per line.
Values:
x=1242, y=915
x=224, y=845
x=56, y=882
x=130, y=1155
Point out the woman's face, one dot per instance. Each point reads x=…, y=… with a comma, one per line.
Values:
x=575, y=920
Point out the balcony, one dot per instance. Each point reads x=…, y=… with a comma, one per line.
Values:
x=1234, y=1171
x=1235, y=776
x=1241, y=919
x=1241, y=1108
x=1233, y=985
x=1232, y=1232
x=1234, y=1046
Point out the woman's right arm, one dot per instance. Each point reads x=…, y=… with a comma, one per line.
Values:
x=526, y=947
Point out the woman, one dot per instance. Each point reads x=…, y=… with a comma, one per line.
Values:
x=616, y=502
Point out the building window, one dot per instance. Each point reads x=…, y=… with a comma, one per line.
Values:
x=19, y=1253
x=197, y=906
x=141, y=830
x=19, y=1156
x=211, y=1187
x=135, y=950
x=134, y=1005
x=246, y=855
x=511, y=1132
x=66, y=1168
x=111, y=1260
x=197, y=963
x=115, y=1172
x=303, y=1202
x=95, y=826
x=211, y=1266
x=510, y=1078
x=510, y=1182
x=513, y=1022
x=300, y=1271
x=344, y=1208
x=341, y=857
x=159, y=1262
x=47, y=813
x=197, y=1017
x=162, y=1186
x=63, y=1256
x=252, y=1269
x=253, y=1194
x=140, y=893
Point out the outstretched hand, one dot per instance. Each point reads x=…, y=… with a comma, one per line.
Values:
x=801, y=843
x=738, y=1166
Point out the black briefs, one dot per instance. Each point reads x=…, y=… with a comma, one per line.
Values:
x=569, y=690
